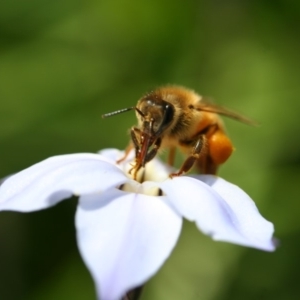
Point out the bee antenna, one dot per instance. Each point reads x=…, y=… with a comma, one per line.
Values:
x=118, y=112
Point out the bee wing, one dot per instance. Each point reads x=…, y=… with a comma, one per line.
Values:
x=216, y=109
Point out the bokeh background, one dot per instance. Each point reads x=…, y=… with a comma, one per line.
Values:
x=64, y=63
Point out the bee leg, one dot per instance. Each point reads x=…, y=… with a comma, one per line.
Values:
x=135, y=170
x=134, y=144
x=137, y=166
x=135, y=137
x=127, y=151
x=219, y=150
x=190, y=161
x=171, y=156
x=153, y=151
x=205, y=165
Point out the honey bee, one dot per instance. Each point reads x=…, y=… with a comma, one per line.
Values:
x=174, y=117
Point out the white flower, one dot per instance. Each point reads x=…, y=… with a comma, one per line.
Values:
x=126, y=229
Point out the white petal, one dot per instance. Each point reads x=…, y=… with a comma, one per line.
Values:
x=250, y=222
x=157, y=171
x=44, y=184
x=198, y=202
x=114, y=154
x=125, y=241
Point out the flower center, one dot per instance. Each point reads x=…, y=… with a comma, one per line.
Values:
x=145, y=188
x=154, y=171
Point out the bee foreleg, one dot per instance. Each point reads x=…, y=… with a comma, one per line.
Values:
x=153, y=151
x=135, y=170
x=135, y=137
x=136, y=140
x=126, y=153
x=190, y=161
x=135, y=143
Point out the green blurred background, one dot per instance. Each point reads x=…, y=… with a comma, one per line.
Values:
x=64, y=63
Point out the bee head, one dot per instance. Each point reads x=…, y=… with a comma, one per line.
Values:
x=155, y=115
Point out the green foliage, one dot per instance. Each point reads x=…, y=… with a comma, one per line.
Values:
x=64, y=64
